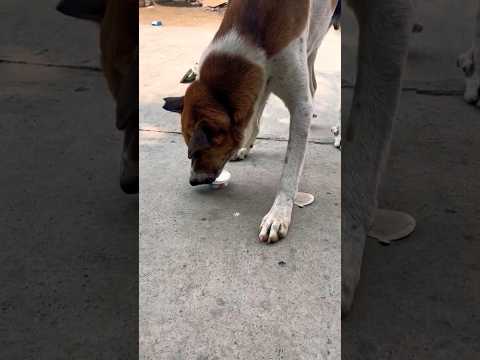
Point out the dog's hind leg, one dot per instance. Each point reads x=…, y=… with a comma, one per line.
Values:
x=385, y=27
x=291, y=84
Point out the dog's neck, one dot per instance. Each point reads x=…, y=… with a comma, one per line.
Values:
x=234, y=73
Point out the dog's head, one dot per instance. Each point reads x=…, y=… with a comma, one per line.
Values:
x=208, y=131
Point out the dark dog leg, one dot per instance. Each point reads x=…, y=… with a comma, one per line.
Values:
x=385, y=27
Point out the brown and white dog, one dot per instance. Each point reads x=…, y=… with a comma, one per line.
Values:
x=118, y=21
x=261, y=47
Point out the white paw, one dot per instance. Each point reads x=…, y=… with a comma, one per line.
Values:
x=337, y=136
x=472, y=90
x=241, y=154
x=275, y=224
x=466, y=62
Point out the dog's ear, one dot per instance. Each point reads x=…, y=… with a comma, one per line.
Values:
x=198, y=142
x=87, y=9
x=174, y=104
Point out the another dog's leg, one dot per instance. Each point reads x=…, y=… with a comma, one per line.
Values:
x=252, y=133
x=469, y=62
x=384, y=32
x=313, y=89
x=311, y=70
x=291, y=84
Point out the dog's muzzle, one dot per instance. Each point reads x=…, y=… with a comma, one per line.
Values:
x=201, y=178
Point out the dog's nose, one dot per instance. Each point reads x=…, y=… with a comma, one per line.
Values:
x=194, y=181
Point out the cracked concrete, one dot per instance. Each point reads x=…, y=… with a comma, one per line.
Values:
x=208, y=288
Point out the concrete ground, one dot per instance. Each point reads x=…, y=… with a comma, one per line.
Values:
x=67, y=231
x=419, y=298
x=208, y=288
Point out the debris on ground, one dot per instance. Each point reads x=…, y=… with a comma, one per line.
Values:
x=156, y=23
x=215, y=5
x=145, y=3
x=303, y=199
x=391, y=225
x=189, y=77
x=222, y=180
x=189, y=3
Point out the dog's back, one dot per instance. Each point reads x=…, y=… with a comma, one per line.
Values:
x=272, y=24
x=267, y=24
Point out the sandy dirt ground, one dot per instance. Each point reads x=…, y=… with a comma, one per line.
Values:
x=180, y=16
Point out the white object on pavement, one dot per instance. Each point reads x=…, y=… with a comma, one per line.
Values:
x=222, y=180
x=303, y=199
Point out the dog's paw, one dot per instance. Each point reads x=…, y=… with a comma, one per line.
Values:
x=275, y=224
x=354, y=236
x=466, y=62
x=241, y=154
x=129, y=175
x=337, y=136
x=417, y=28
x=349, y=285
x=472, y=90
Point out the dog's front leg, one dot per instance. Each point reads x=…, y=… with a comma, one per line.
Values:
x=275, y=224
x=384, y=33
x=253, y=130
x=293, y=88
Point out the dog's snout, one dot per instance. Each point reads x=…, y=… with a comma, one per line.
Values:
x=201, y=179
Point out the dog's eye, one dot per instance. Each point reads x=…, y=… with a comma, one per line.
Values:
x=218, y=139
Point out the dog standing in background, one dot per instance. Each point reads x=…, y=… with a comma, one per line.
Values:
x=118, y=21
x=469, y=62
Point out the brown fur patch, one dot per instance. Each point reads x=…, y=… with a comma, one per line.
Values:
x=221, y=102
x=269, y=24
x=202, y=112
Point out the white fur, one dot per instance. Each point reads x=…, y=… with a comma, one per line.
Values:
x=232, y=43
